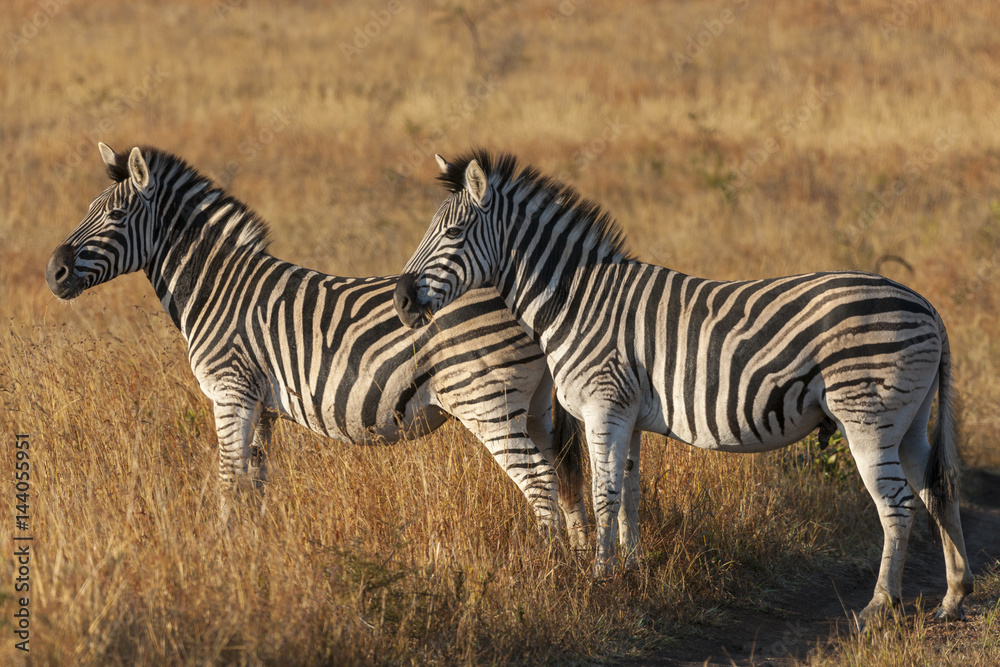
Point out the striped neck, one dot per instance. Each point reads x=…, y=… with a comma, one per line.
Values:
x=553, y=243
x=198, y=230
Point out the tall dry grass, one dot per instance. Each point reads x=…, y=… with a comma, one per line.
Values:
x=421, y=552
x=803, y=136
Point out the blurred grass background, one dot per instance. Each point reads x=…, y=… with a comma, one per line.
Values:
x=732, y=139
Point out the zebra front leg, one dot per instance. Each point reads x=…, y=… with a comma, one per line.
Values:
x=628, y=514
x=527, y=467
x=236, y=422
x=608, y=438
x=560, y=438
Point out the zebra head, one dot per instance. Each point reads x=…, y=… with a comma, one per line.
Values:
x=114, y=237
x=460, y=250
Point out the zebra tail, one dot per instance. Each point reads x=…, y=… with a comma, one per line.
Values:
x=941, y=475
x=567, y=436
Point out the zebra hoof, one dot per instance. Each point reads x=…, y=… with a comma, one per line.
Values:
x=945, y=615
x=870, y=617
x=603, y=570
x=632, y=561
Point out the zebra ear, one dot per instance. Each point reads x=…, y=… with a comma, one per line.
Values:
x=138, y=170
x=475, y=182
x=107, y=154
x=442, y=163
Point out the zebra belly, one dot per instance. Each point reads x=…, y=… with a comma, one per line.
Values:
x=777, y=420
x=749, y=441
x=746, y=440
x=388, y=416
x=360, y=419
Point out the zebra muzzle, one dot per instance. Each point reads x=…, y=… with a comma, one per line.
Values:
x=60, y=273
x=407, y=302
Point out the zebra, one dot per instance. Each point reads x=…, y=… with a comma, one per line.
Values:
x=269, y=339
x=744, y=366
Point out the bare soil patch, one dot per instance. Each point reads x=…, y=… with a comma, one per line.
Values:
x=810, y=616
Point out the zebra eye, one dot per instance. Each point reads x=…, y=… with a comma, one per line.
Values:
x=453, y=232
x=116, y=215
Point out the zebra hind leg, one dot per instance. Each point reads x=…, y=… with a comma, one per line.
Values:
x=882, y=473
x=917, y=457
x=567, y=457
x=257, y=465
x=628, y=514
x=258, y=469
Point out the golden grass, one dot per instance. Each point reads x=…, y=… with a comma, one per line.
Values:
x=418, y=552
x=766, y=154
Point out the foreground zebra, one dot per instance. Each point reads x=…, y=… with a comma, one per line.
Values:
x=742, y=366
x=265, y=336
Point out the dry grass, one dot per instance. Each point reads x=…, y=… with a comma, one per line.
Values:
x=422, y=552
x=766, y=154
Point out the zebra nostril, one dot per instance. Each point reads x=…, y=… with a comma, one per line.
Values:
x=59, y=271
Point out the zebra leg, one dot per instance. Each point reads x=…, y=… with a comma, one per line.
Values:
x=515, y=451
x=562, y=443
x=608, y=438
x=915, y=454
x=628, y=514
x=257, y=467
x=236, y=427
x=881, y=471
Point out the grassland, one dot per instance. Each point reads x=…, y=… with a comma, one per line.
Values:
x=731, y=139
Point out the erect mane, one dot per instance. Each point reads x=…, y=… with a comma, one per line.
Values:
x=118, y=171
x=245, y=228
x=503, y=172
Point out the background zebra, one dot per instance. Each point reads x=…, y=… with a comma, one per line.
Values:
x=266, y=337
x=735, y=366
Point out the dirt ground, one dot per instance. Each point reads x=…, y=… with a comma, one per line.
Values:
x=811, y=616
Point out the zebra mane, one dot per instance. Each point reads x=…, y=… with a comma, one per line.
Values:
x=505, y=173
x=243, y=226
x=118, y=171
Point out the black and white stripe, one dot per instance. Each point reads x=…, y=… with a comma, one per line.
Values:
x=741, y=366
x=268, y=338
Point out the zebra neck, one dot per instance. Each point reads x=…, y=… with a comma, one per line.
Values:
x=553, y=248
x=549, y=298
x=200, y=239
